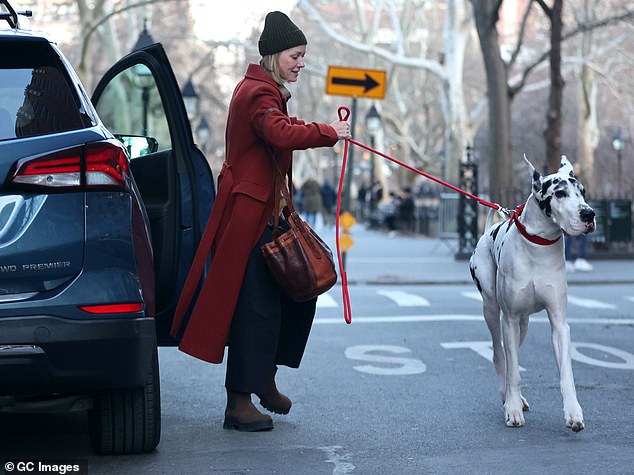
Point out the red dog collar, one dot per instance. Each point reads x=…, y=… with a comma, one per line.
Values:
x=515, y=218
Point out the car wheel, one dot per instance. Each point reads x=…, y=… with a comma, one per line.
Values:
x=127, y=421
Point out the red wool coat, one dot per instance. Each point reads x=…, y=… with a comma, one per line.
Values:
x=244, y=203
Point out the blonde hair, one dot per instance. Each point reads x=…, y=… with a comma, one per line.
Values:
x=271, y=64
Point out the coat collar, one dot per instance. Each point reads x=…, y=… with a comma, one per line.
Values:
x=257, y=72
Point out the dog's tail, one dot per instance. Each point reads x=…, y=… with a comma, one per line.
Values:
x=502, y=214
x=489, y=220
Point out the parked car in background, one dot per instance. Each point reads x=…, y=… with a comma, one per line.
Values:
x=101, y=210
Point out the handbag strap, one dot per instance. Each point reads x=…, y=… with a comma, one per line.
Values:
x=280, y=188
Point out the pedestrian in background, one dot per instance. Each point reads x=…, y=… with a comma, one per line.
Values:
x=575, y=251
x=239, y=303
x=311, y=199
x=328, y=202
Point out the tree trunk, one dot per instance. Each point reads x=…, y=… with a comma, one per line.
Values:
x=552, y=134
x=588, y=126
x=501, y=183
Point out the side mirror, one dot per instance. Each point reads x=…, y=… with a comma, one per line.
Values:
x=138, y=145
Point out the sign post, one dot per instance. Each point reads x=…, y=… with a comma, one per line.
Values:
x=354, y=82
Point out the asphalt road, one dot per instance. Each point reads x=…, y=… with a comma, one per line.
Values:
x=407, y=388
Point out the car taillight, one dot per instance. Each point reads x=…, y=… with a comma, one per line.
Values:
x=113, y=308
x=97, y=165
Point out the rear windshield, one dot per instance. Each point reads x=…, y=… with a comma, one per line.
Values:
x=36, y=94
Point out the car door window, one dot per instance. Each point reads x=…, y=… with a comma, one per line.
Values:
x=130, y=106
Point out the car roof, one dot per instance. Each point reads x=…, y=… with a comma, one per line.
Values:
x=12, y=23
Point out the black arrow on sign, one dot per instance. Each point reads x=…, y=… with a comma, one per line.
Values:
x=368, y=83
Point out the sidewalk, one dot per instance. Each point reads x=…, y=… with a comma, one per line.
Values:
x=378, y=257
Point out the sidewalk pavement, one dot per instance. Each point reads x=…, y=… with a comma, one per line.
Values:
x=379, y=257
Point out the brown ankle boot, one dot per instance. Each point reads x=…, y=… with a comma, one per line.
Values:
x=242, y=415
x=273, y=400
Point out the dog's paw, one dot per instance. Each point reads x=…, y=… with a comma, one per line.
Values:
x=514, y=415
x=525, y=406
x=576, y=426
x=574, y=419
x=514, y=419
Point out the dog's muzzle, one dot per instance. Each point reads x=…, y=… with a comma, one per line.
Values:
x=587, y=215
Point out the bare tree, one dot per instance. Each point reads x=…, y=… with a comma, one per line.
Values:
x=405, y=54
x=552, y=132
x=587, y=97
x=499, y=96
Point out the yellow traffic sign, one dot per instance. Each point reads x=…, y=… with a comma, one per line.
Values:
x=356, y=82
x=346, y=220
x=345, y=242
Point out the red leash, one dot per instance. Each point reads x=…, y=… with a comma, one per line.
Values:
x=344, y=113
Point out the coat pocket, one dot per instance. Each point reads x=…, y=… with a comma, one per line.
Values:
x=253, y=190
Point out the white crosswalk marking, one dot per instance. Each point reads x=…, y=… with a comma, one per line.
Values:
x=404, y=299
x=408, y=299
x=589, y=303
x=473, y=294
x=629, y=297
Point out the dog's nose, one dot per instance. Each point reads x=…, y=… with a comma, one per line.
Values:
x=587, y=215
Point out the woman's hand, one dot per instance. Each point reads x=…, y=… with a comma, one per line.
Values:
x=342, y=128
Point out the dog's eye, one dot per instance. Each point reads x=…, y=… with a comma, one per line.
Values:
x=561, y=193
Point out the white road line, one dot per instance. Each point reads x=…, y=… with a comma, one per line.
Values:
x=472, y=294
x=589, y=303
x=326, y=301
x=629, y=297
x=462, y=318
x=404, y=299
x=407, y=299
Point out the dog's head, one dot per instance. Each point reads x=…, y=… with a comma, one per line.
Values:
x=562, y=198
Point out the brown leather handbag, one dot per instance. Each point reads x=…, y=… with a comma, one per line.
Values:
x=301, y=263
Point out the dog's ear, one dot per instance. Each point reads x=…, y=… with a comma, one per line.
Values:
x=566, y=167
x=535, y=176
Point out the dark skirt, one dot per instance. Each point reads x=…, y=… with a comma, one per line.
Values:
x=268, y=327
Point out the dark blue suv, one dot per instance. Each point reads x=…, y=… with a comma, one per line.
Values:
x=101, y=209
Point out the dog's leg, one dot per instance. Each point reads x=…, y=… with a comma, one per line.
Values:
x=491, y=311
x=523, y=333
x=483, y=271
x=561, y=347
x=513, y=400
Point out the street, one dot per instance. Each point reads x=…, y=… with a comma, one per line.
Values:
x=406, y=388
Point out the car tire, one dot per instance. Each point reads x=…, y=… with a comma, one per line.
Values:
x=127, y=421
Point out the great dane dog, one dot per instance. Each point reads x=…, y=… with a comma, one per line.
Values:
x=519, y=268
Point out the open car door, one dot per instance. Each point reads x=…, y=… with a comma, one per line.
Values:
x=140, y=102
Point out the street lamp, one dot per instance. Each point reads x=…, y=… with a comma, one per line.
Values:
x=202, y=131
x=190, y=97
x=618, y=144
x=143, y=74
x=144, y=39
x=373, y=124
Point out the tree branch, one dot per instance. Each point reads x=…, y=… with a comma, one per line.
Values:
x=90, y=29
x=520, y=37
x=583, y=27
x=397, y=59
x=547, y=10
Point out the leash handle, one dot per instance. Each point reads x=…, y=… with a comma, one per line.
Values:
x=344, y=114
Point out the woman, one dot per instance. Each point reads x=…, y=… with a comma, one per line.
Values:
x=239, y=304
